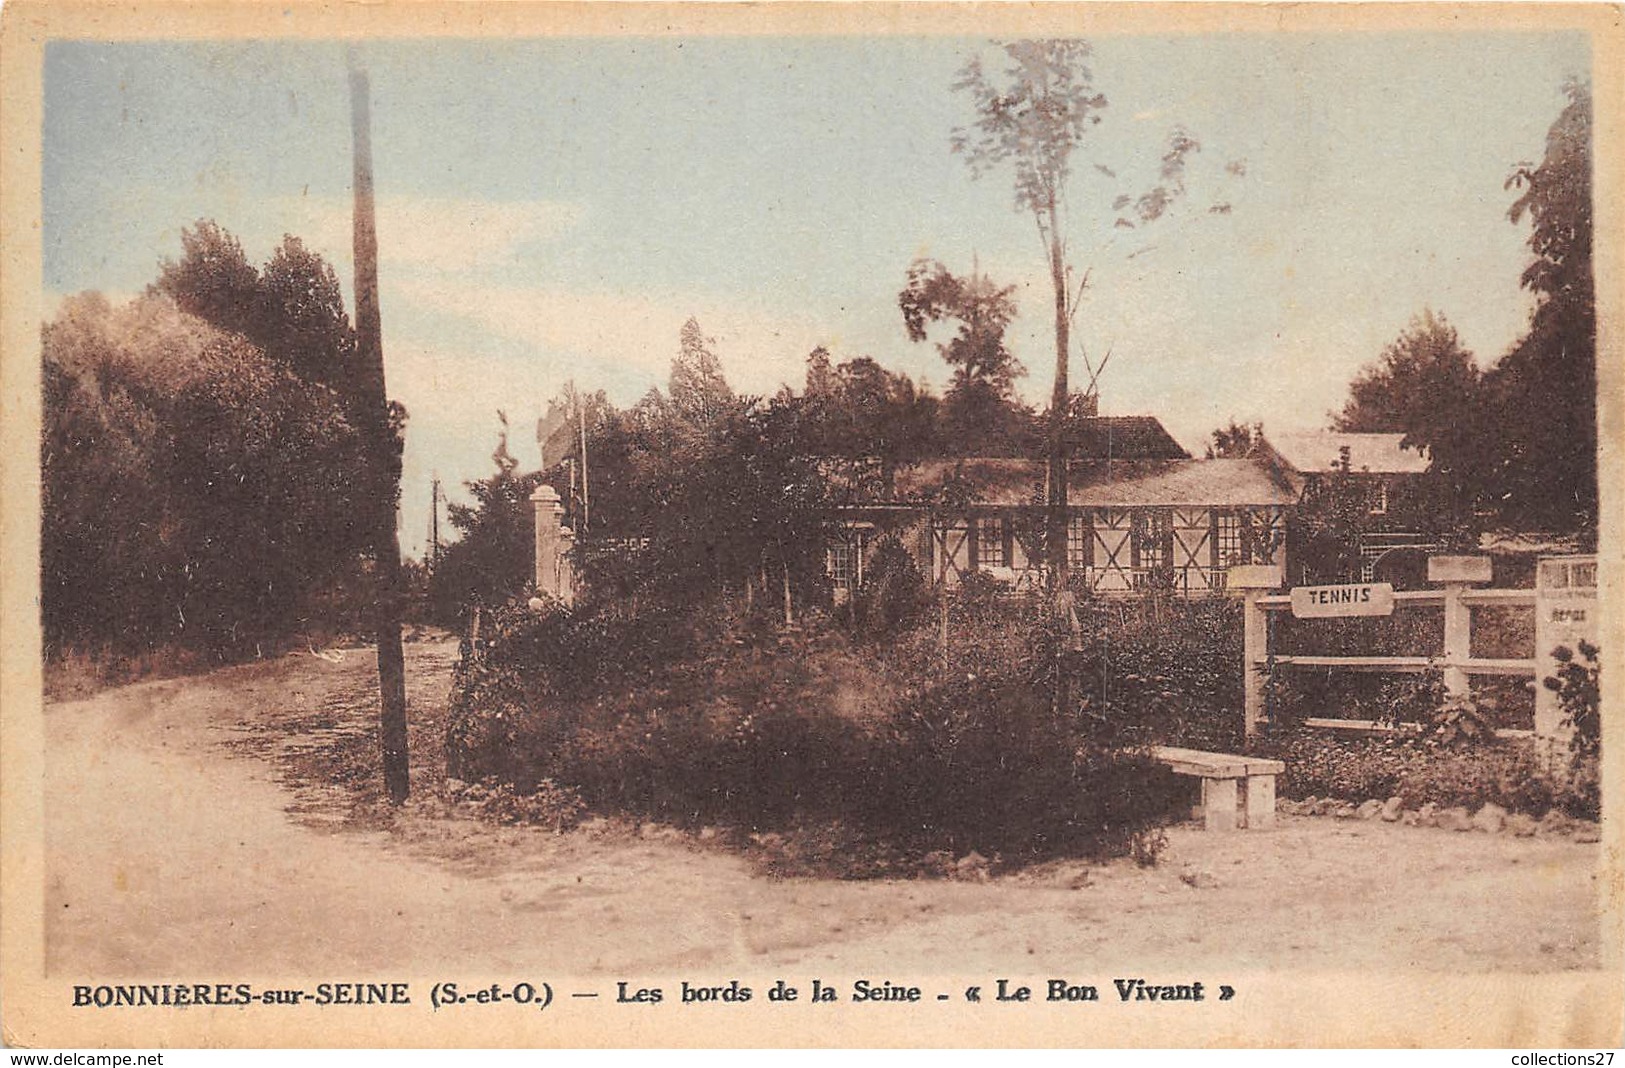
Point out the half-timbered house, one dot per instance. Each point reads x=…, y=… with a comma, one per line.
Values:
x=1153, y=520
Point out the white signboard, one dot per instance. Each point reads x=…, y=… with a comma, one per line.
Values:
x=1326, y=602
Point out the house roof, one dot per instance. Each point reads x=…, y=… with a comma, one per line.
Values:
x=1514, y=542
x=1122, y=437
x=1004, y=482
x=1314, y=451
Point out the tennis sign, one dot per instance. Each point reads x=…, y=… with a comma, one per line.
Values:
x=1328, y=602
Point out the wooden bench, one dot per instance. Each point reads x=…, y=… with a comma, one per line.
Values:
x=1220, y=773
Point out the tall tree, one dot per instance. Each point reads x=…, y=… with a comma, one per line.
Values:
x=305, y=324
x=1541, y=398
x=213, y=280
x=1035, y=119
x=697, y=386
x=493, y=559
x=291, y=309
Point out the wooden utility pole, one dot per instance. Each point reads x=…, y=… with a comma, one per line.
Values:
x=385, y=455
x=581, y=426
x=434, y=523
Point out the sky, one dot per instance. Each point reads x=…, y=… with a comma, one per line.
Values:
x=553, y=210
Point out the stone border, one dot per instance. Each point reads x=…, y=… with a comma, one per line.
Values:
x=1490, y=819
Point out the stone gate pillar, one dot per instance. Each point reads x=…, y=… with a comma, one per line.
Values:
x=555, y=575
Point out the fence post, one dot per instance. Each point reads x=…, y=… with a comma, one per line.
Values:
x=1253, y=580
x=1456, y=574
x=1254, y=639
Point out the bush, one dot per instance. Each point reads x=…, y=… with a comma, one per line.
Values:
x=1579, y=694
x=719, y=725
x=524, y=661
x=894, y=596
x=1162, y=671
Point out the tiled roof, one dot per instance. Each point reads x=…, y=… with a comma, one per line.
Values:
x=1122, y=437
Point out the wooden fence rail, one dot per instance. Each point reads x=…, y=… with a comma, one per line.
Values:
x=1455, y=659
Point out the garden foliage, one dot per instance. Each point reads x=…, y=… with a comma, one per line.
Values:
x=1506, y=773
x=699, y=720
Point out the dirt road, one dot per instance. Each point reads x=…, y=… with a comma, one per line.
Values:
x=184, y=838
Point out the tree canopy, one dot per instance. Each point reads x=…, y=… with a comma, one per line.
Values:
x=980, y=410
x=196, y=492
x=1234, y=441
x=292, y=308
x=1423, y=383
x=1540, y=400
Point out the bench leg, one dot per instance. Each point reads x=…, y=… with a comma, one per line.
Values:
x=1260, y=802
x=1219, y=804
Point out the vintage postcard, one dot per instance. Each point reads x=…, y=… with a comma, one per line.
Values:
x=812, y=525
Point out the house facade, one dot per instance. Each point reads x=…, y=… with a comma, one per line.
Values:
x=1365, y=512
x=1142, y=515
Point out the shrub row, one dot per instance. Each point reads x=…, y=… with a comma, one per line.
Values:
x=1504, y=773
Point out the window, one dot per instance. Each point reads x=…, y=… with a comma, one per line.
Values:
x=992, y=548
x=1379, y=499
x=1151, y=547
x=1153, y=534
x=1567, y=574
x=1229, y=545
x=1080, y=542
x=844, y=560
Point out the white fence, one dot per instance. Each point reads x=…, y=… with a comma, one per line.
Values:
x=1456, y=597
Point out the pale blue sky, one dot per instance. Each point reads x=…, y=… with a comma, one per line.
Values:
x=554, y=209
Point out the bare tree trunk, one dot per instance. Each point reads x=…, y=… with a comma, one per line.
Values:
x=1055, y=541
x=1056, y=518
x=385, y=460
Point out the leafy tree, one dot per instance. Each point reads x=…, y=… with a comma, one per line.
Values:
x=1423, y=384
x=697, y=388
x=821, y=383
x=213, y=280
x=195, y=490
x=1427, y=387
x=292, y=309
x=1541, y=398
x=977, y=352
x=1235, y=441
x=702, y=494
x=303, y=323
x=979, y=407
x=1035, y=121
